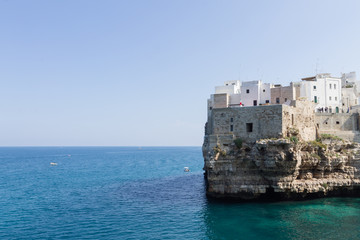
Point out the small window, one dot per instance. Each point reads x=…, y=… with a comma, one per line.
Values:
x=326, y=123
x=334, y=86
x=285, y=99
x=314, y=87
x=343, y=104
x=227, y=84
x=337, y=122
x=233, y=84
x=277, y=100
x=255, y=102
x=335, y=98
x=330, y=85
x=247, y=91
x=249, y=127
x=315, y=99
x=263, y=90
x=330, y=98
x=210, y=108
x=231, y=119
x=231, y=128
x=267, y=101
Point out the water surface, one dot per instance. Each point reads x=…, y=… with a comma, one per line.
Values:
x=143, y=193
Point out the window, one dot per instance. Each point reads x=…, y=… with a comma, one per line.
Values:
x=330, y=85
x=255, y=103
x=227, y=84
x=233, y=84
x=330, y=98
x=314, y=87
x=337, y=122
x=315, y=99
x=285, y=99
x=267, y=101
x=231, y=120
x=263, y=90
x=277, y=100
x=247, y=91
x=231, y=128
x=334, y=86
x=335, y=98
x=249, y=127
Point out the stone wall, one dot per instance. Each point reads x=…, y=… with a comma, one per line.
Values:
x=343, y=125
x=248, y=123
x=337, y=121
x=268, y=121
x=300, y=116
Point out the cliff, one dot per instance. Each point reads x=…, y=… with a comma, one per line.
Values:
x=280, y=169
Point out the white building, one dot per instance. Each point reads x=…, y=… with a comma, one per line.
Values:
x=232, y=88
x=254, y=93
x=323, y=90
x=350, y=91
x=229, y=87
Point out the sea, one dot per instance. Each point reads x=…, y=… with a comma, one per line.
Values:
x=144, y=193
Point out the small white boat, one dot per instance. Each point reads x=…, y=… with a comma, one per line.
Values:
x=186, y=169
x=53, y=163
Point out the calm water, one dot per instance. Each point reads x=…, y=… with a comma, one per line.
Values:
x=133, y=193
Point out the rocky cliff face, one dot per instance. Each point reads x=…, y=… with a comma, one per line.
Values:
x=280, y=169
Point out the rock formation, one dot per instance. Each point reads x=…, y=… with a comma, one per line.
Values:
x=280, y=169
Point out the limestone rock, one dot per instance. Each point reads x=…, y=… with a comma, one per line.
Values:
x=280, y=169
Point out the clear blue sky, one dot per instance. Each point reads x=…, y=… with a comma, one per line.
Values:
x=138, y=73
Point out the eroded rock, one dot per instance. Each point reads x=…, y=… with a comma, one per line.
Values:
x=281, y=169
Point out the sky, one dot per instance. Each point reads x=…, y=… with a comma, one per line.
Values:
x=139, y=72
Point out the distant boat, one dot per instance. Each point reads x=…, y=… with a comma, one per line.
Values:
x=186, y=169
x=53, y=163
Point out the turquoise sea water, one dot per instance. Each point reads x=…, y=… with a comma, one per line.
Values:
x=143, y=193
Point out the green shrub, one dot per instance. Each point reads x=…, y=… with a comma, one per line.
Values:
x=331, y=137
x=294, y=139
x=324, y=185
x=318, y=144
x=238, y=142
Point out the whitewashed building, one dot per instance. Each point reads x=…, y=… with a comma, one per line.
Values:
x=350, y=91
x=232, y=88
x=254, y=93
x=323, y=90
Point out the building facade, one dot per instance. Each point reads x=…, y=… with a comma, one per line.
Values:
x=324, y=91
x=254, y=93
